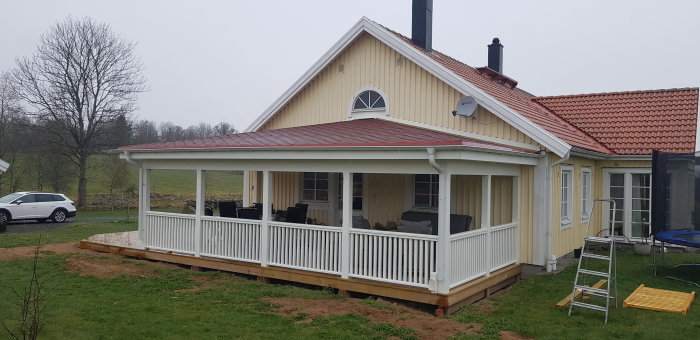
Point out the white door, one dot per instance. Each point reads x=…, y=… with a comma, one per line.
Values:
x=631, y=191
x=27, y=209
x=45, y=205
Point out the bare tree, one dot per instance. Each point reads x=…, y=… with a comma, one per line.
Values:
x=82, y=78
x=145, y=131
x=224, y=128
x=170, y=132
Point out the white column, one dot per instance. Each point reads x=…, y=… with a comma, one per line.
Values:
x=199, y=211
x=516, y=215
x=443, y=241
x=486, y=218
x=265, y=225
x=144, y=200
x=347, y=224
x=246, y=188
x=541, y=208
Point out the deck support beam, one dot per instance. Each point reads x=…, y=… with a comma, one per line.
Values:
x=347, y=224
x=443, y=241
x=265, y=225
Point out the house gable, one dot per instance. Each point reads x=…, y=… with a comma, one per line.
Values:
x=441, y=72
x=411, y=93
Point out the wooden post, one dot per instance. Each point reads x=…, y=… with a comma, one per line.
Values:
x=199, y=211
x=347, y=224
x=246, y=188
x=333, y=179
x=265, y=225
x=516, y=214
x=443, y=241
x=486, y=218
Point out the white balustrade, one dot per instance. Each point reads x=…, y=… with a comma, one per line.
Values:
x=472, y=256
x=230, y=238
x=395, y=257
x=169, y=232
x=307, y=247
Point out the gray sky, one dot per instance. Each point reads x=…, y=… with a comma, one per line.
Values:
x=228, y=61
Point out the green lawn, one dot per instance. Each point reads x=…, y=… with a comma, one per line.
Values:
x=163, y=305
x=68, y=233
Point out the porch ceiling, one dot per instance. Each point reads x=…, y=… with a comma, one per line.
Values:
x=360, y=133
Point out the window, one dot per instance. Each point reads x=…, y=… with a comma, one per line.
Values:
x=585, y=193
x=426, y=190
x=356, y=191
x=369, y=100
x=566, y=196
x=315, y=186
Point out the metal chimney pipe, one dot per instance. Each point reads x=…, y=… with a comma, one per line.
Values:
x=422, y=24
x=496, y=56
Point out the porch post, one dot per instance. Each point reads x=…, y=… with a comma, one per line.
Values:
x=443, y=241
x=347, y=224
x=246, y=188
x=144, y=199
x=199, y=211
x=486, y=218
x=265, y=225
x=333, y=179
x=516, y=215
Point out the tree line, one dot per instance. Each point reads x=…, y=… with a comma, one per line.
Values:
x=72, y=99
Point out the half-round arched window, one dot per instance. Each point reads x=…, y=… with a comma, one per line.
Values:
x=369, y=100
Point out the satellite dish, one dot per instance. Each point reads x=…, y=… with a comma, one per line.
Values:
x=466, y=107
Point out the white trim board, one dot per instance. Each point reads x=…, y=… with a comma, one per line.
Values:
x=532, y=130
x=3, y=166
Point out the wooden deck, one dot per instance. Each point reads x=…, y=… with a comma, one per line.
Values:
x=127, y=244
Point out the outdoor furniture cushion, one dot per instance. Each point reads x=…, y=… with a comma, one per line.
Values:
x=458, y=223
x=419, y=227
x=296, y=215
x=227, y=209
x=248, y=213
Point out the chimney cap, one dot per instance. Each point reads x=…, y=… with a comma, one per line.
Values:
x=496, y=41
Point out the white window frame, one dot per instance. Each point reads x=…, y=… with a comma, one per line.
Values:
x=586, y=200
x=566, y=213
x=368, y=113
x=430, y=194
x=314, y=203
x=627, y=210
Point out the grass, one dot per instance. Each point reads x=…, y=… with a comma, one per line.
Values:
x=165, y=182
x=69, y=233
x=160, y=306
x=528, y=308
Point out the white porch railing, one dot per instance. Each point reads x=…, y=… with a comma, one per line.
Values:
x=169, y=232
x=477, y=253
x=392, y=257
x=303, y=246
x=227, y=238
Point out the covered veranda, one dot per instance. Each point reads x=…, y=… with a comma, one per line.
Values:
x=478, y=179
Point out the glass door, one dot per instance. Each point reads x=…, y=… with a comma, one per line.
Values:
x=631, y=191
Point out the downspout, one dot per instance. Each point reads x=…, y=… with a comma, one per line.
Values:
x=127, y=158
x=550, y=256
x=431, y=160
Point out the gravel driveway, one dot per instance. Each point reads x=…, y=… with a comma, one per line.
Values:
x=31, y=225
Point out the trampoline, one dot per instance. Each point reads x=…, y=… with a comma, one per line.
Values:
x=675, y=200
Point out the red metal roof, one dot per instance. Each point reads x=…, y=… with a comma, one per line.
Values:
x=516, y=99
x=352, y=133
x=635, y=122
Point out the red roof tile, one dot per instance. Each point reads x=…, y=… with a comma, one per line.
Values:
x=352, y=133
x=635, y=122
x=518, y=100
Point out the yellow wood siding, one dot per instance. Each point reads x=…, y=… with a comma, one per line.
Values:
x=526, y=199
x=501, y=200
x=411, y=93
x=386, y=197
x=466, y=198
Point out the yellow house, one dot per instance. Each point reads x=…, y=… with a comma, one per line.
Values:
x=392, y=169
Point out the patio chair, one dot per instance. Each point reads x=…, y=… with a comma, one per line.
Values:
x=248, y=213
x=303, y=206
x=296, y=215
x=228, y=209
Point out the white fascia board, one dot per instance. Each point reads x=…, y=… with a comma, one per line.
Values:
x=501, y=110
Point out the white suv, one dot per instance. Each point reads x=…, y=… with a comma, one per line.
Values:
x=38, y=206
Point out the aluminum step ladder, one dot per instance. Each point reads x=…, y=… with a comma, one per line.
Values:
x=583, y=271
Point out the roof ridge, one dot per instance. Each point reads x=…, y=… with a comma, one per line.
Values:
x=535, y=98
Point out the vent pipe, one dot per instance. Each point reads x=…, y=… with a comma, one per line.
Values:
x=496, y=56
x=422, y=24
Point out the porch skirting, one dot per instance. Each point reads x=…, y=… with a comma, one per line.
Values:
x=128, y=244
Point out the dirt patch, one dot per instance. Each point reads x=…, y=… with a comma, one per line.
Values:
x=425, y=325
x=105, y=268
x=19, y=253
x=508, y=335
x=205, y=282
x=484, y=307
